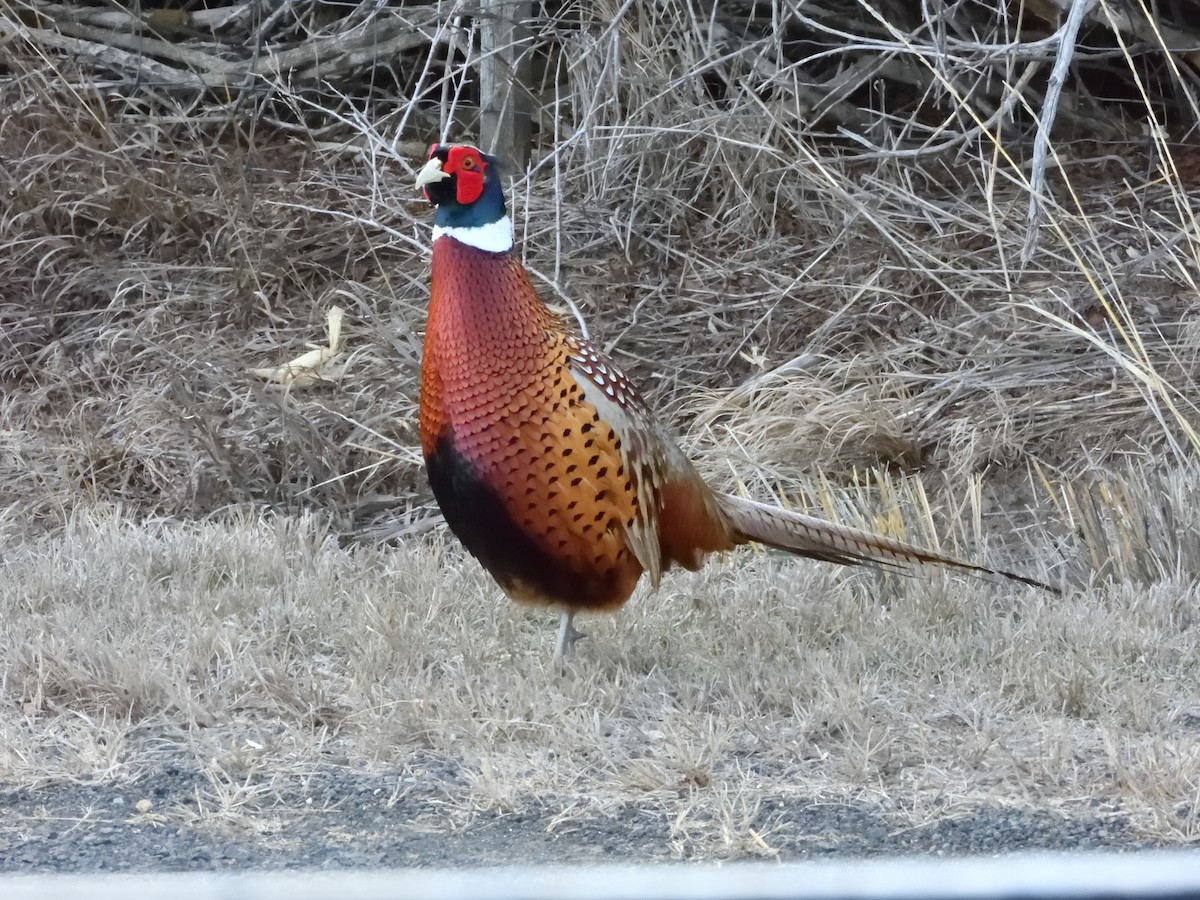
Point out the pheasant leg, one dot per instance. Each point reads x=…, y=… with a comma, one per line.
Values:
x=567, y=636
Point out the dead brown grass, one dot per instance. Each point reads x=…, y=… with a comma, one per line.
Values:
x=263, y=650
x=863, y=312
x=191, y=557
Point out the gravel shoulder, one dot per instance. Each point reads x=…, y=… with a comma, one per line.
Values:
x=335, y=820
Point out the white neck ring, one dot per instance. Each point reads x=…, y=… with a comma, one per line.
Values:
x=494, y=237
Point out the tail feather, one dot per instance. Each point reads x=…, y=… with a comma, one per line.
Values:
x=818, y=539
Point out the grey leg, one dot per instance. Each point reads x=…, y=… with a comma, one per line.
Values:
x=567, y=636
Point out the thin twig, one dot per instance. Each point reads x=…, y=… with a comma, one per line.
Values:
x=1066, y=36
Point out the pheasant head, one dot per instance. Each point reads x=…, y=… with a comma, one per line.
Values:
x=464, y=184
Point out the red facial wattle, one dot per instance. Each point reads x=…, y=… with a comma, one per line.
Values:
x=467, y=167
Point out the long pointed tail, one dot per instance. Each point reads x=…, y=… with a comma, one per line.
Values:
x=818, y=539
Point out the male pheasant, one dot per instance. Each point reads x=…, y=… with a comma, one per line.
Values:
x=543, y=457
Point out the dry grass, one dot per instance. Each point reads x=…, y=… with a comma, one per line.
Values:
x=191, y=559
x=265, y=651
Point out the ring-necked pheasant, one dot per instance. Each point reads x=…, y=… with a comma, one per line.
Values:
x=544, y=458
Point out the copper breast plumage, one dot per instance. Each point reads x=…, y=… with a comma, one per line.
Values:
x=529, y=476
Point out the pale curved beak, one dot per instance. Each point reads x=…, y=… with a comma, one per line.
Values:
x=431, y=172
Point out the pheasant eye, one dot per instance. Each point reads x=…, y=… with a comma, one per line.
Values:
x=468, y=163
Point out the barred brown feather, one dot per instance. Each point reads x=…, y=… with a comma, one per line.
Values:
x=817, y=539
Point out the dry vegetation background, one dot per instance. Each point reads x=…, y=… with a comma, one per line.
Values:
x=805, y=230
